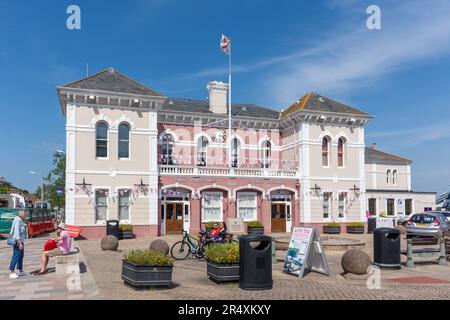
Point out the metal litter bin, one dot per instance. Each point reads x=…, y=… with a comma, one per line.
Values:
x=112, y=228
x=255, y=262
x=386, y=248
x=371, y=225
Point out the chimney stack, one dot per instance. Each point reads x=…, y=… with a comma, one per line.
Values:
x=218, y=97
x=374, y=146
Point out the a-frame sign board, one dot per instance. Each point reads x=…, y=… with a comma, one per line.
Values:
x=305, y=253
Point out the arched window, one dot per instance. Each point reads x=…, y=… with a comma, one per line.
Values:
x=341, y=152
x=325, y=151
x=202, y=151
x=124, y=141
x=167, y=149
x=394, y=177
x=235, y=148
x=388, y=176
x=101, y=140
x=266, y=154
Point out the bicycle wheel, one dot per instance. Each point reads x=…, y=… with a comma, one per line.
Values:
x=180, y=250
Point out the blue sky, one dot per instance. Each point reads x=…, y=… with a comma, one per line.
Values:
x=281, y=50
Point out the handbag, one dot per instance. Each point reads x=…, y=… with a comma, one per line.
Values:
x=11, y=241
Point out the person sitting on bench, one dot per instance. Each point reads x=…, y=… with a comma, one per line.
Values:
x=64, y=244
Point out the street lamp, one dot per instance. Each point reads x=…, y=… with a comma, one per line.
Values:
x=42, y=182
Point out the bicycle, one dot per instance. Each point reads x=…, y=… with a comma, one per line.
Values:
x=190, y=245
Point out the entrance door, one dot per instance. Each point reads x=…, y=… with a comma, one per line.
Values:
x=279, y=217
x=174, y=218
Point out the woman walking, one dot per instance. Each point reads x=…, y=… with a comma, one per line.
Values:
x=18, y=234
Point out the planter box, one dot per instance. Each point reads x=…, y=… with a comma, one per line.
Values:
x=146, y=276
x=255, y=230
x=222, y=272
x=126, y=235
x=328, y=230
x=357, y=230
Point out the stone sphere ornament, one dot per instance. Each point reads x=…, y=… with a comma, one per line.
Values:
x=356, y=261
x=160, y=246
x=109, y=243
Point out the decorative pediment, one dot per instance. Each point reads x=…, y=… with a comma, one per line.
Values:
x=102, y=117
x=125, y=118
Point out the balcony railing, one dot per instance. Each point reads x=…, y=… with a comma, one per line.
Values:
x=179, y=166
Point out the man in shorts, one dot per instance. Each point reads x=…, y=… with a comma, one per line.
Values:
x=64, y=244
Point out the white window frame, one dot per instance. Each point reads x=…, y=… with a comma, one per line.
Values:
x=328, y=139
x=101, y=222
x=118, y=189
x=388, y=176
x=344, y=210
x=330, y=207
x=344, y=152
x=235, y=150
x=220, y=194
x=266, y=149
x=394, y=177
x=202, y=151
x=255, y=217
x=129, y=141
x=107, y=140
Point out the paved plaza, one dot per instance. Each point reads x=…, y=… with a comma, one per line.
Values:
x=100, y=279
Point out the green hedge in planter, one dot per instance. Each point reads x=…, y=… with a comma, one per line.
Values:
x=148, y=258
x=333, y=225
x=355, y=225
x=255, y=224
x=227, y=253
x=126, y=228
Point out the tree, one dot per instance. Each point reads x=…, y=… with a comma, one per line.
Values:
x=54, y=180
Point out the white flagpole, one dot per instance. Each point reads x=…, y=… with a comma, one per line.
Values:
x=229, y=108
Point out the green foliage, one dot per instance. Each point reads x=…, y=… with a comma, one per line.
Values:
x=355, y=225
x=56, y=178
x=212, y=225
x=333, y=225
x=227, y=253
x=383, y=214
x=255, y=224
x=126, y=228
x=148, y=258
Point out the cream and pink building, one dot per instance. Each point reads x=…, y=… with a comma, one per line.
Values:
x=164, y=165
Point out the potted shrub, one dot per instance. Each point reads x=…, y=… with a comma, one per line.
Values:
x=255, y=227
x=126, y=231
x=223, y=262
x=146, y=268
x=356, y=228
x=332, y=228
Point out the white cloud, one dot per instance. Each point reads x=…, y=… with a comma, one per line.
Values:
x=354, y=56
x=402, y=138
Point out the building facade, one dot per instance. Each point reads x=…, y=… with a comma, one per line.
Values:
x=169, y=164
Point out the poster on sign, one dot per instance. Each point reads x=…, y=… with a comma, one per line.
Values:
x=73, y=231
x=305, y=252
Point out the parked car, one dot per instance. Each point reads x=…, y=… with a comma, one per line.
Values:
x=403, y=220
x=446, y=214
x=427, y=224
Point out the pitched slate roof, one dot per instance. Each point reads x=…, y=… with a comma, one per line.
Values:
x=111, y=80
x=318, y=103
x=202, y=107
x=376, y=156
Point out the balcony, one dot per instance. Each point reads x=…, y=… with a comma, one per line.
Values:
x=245, y=167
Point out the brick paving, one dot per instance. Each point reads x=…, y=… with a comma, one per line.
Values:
x=100, y=279
x=51, y=286
x=191, y=282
